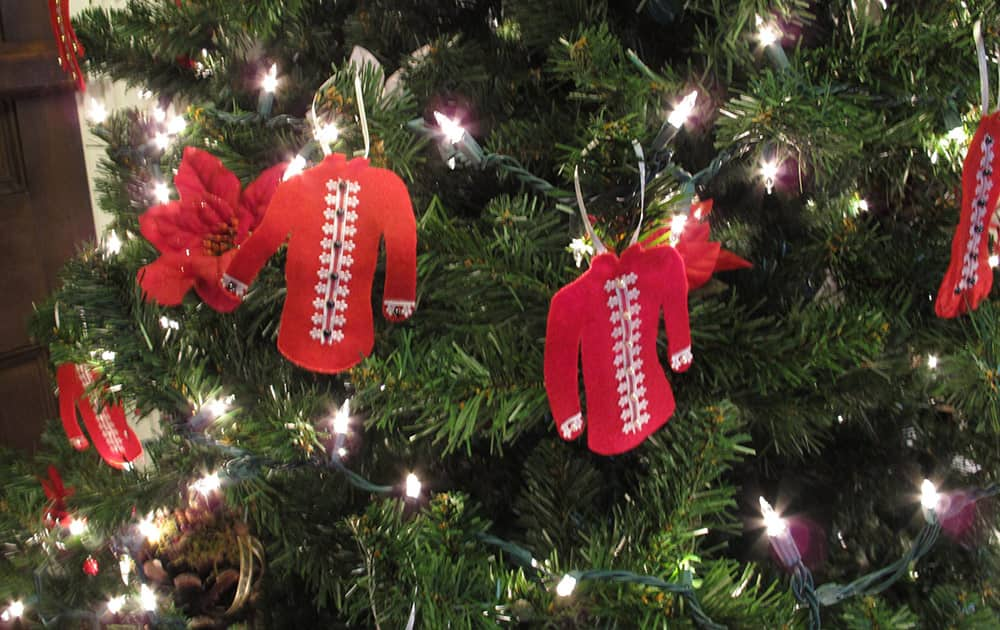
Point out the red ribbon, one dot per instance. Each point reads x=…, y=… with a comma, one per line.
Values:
x=57, y=494
x=68, y=45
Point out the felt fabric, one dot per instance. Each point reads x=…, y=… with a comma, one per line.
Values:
x=609, y=316
x=198, y=234
x=115, y=441
x=333, y=217
x=969, y=277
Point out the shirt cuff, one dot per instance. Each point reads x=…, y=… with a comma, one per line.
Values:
x=398, y=310
x=681, y=360
x=571, y=427
x=234, y=286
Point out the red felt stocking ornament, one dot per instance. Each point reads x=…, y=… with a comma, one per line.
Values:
x=609, y=317
x=114, y=439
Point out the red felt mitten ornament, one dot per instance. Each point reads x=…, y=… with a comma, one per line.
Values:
x=609, y=318
x=56, y=512
x=334, y=216
x=969, y=276
x=115, y=441
x=198, y=235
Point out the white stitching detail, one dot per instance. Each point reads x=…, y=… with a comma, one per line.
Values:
x=104, y=422
x=623, y=303
x=571, y=425
x=334, y=271
x=977, y=225
x=399, y=308
x=681, y=358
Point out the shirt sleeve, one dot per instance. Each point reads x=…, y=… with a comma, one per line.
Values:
x=563, y=335
x=675, y=312
x=70, y=389
x=265, y=240
x=399, y=229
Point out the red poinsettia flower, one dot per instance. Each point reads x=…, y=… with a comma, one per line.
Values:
x=702, y=257
x=199, y=234
x=56, y=493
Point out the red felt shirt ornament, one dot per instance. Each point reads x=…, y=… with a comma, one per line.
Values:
x=114, y=439
x=334, y=216
x=198, y=235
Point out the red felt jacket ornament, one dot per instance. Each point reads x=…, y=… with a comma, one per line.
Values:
x=198, y=235
x=609, y=317
x=111, y=434
x=969, y=276
x=334, y=216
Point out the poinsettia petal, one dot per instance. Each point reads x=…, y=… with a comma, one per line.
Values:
x=164, y=226
x=202, y=173
x=209, y=282
x=257, y=195
x=701, y=209
x=699, y=260
x=164, y=282
x=728, y=261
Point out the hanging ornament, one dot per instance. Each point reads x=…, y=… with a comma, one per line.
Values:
x=610, y=315
x=335, y=215
x=90, y=566
x=115, y=441
x=56, y=512
x=969, y=276
x=198, y=235
x=69, y=47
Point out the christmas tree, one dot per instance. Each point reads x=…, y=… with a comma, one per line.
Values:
x=793, y=170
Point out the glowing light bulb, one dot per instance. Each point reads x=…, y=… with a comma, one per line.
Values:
x=958, y=135
x=176, y=125
x=453, y=131
x=217, y=406
x=270, y=81
x=207, y=484
x=677, y=224
x=159, y=115
x=149, y=530
x=295, y=167
x=108, y=355
x=326, y=134
x=683, y=111
x=161, y=192
x=77, y=526
x=115, y=604
x=125, y=567
x=169, y=324
x=767, y=33
x=412, y=486
x=932, y=361
x=113, y=244
x=566, y=586
x=929, y=496
x=96, y=112
x=147, y=598
x=775, y=525
x=341, y=452
x=15, y=610
x=994, y=260
x=769, y=172
x=342, y=421
x=161, y=140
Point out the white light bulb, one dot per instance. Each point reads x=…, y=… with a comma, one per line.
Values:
x=769, y=172
x=176, y=125
x=994, y=260
x=96, y=112
x=167, y=323
x=932, y=361
x=958, y=135
x=566, y=586
x=113, y=244
x=125, y=567
x=149, y=530
x=161, y=140
x=928, y=495
x=207, y=484
x=270, y=81
x=767, y=33
x=147, y=598
x=77, y=526
x=217, y=407
x=677, y=224
x=326, y=134
x=412, y=486
x=860, y=205
x=775, y=525
x=159, y=115
x=161, y=192
x=115, y=604
x=342, y=420
x=15, y=610
x=295, y=167
x=108, y=355
x=683, y=111
x=453, y=131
